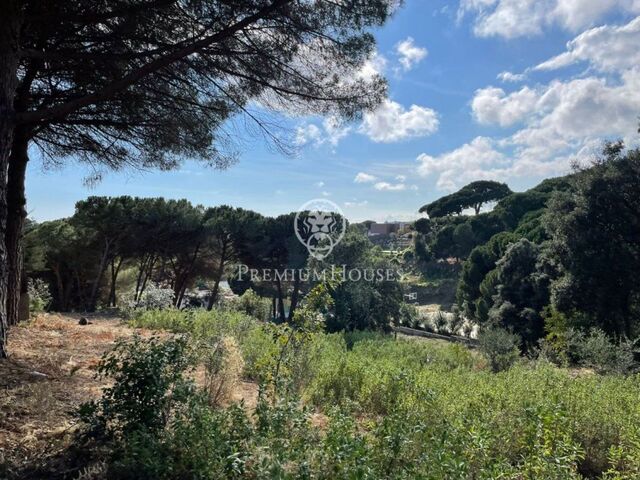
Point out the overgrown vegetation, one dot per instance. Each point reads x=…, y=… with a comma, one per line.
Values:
x=568, y=246
x=392, y=408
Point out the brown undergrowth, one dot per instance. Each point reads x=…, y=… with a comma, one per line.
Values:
x=49, y=373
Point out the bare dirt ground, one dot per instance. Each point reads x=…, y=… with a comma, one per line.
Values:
x=50, y=372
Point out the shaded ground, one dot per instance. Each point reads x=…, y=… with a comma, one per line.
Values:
x=50, y=372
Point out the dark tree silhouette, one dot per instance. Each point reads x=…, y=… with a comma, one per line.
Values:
x=147, y=82
x=474, y=195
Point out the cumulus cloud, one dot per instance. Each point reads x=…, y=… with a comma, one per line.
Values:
x=375, y=65
x=410, y=54
x=510, y=77
x=469, y=162
x=390, y=187
x=517, y=18
x=493, y=106
x=330, y=133
x=563, y=121
x=391, y=122
x=309, y=133
x=363, y=177
x=355, y=203
x=607, y=48
x=565, y=111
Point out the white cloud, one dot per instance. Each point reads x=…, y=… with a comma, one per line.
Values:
x=607, y=48
x=326, y=194
x=517, y=18
x=375, y=65
x=563, y=121
x=509, y=77
x=390, y=187
x=401, y=178
x=363, y=177
x=319, y=184
x=492, y=106
x=410, y=54
x=330, y=133
x=335, y=131
x=308, y=134
x=562, y=112
x=355, y=203
x=570, y=114
x=390, y=122
x=470, y=162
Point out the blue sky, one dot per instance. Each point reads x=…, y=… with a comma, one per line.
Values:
x=451, y=117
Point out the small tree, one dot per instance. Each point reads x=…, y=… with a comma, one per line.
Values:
x=500, y=347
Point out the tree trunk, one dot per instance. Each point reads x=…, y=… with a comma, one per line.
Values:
x=281, y=314
x=273, y=307
x=294, y=296
x=17, y=214
x=216, y=286
x=60, y=290
x=183, y=276
x=9, y=32
x=95, y=288
x=115, y=270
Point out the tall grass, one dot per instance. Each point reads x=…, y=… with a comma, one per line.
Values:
x=440, y=410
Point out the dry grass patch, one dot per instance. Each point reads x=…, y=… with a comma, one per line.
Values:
x=51, y=371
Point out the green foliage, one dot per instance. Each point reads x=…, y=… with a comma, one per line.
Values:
x=594, y=249
x=372, y=302
x=39, y=295
x=393, y=409
x=252, y=305
x=148, y=384
x=522, y=292
x=474, y=195
x=500, y=347
x=409, y=315
x=599, y=351
x=481, y=261
x=154, y=297
x=423, y=226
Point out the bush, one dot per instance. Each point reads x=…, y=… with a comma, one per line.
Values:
x=39, y=295
x=409, y=315
x=153, y=298
x=565, y=345
x=390, y=409
x=596, y=350
x=441, y=323
x=253, y=305
x=148, y=384
x=500, y=347
x=457, y=321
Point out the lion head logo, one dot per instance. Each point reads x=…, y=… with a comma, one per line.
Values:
x=320, y=225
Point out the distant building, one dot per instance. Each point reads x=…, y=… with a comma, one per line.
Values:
x=386, y=228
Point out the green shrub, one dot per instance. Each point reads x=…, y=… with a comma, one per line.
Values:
x=409, y=315
x=252, y=304
x=500, y=347
x=39, y=295
x=597, y=350
x=148, y=384
x=392, y=408
x=154, y=297
x=441, y=323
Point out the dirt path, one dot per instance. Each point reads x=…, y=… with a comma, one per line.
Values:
x=50, y=372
